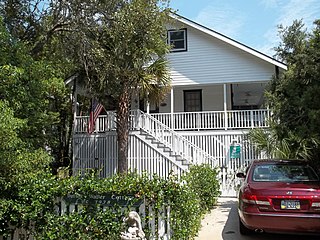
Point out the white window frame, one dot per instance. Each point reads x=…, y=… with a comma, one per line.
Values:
x=173, y=49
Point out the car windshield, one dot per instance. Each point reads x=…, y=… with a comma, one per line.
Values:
x=283, y=173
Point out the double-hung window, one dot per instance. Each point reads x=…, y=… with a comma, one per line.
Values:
x=178, y=40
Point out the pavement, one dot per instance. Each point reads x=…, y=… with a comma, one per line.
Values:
x=222, y=224
x=214, y=222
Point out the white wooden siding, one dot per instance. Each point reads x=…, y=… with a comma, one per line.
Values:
x=210, y=60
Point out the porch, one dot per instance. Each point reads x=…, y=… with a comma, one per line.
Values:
x=185, y=121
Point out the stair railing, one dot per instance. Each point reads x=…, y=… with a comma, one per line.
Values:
x=179, y=145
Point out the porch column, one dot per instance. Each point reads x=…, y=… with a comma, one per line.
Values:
x=148, y=105
x=172, y=108
x=74, y=100
x=225, y=106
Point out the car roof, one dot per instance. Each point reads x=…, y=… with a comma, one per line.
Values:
x=280, y=161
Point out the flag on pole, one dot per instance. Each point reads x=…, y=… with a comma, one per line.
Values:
x=95, y=110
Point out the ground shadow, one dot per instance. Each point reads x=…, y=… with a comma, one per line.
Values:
x=231, y=228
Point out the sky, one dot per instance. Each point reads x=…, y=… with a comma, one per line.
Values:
x=250, y=22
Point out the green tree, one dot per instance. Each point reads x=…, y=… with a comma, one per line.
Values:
x=290, y=147
x=19, y=168
x=121, y=47
x=35, y=91
x=293, y=96
x=37, y=25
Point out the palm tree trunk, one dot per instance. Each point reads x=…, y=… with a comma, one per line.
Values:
x=123, y=130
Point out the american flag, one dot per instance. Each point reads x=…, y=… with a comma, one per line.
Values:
x=95, y=110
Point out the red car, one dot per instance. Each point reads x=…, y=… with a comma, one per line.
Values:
x=279, y=196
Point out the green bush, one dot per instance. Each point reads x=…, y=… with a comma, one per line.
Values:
x=203, y=180
x=33, y=208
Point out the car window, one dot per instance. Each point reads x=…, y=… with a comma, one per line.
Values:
x=283, y=173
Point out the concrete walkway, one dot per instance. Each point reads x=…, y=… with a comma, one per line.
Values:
x=222, y=224
x=214, y=222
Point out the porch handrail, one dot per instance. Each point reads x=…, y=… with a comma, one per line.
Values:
x=178, y=144
x=224, y=120
x=206, y=120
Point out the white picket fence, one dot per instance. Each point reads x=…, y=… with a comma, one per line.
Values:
x=155, y=223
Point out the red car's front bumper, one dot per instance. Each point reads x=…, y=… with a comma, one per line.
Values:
x=282, y=222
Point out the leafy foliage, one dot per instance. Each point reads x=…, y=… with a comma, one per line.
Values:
x=33, y=208
x=35, y=92
x=116, y=47
x=203, y=181
x=119, y=48
x=293, y=97
x=290, y=147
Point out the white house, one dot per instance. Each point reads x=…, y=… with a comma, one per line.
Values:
x=216, y=97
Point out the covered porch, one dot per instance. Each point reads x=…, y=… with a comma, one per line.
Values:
x=228, y=106
x=208, y=97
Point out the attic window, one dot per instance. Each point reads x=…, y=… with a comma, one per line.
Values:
x=178, y=40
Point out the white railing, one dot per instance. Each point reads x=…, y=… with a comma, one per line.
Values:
x=176, y=143
x=232, y=119
x=104, y=123
x=224, y=120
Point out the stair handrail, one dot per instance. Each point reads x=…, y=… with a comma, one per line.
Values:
x=178, y=142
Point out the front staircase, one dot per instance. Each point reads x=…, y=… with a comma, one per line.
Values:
x=176, y=147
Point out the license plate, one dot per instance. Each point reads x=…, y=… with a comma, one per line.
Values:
x=290, y=204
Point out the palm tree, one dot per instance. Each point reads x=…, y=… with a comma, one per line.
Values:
x=153, y=84
x=289, y=147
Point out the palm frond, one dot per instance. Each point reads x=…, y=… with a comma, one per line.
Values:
x=156, y=82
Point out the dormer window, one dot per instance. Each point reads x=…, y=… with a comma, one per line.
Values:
x=178, y=40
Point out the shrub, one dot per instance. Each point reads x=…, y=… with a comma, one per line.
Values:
x=203, y=180
x=185, y=202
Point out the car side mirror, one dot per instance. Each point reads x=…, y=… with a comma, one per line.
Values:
x=241, y=175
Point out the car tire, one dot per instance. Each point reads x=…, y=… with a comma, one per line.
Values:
x=243, y=229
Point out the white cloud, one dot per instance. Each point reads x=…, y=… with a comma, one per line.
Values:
x=270, y=3
x=297, y=9
x=288, y=11
x=222, y=18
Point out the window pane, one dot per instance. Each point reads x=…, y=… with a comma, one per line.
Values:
x=177, y=35
x=178, y=44
x=283, y=173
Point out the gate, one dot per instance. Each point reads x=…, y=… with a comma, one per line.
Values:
x=233, y=152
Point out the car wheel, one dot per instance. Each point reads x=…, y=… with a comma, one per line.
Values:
x=243, y=229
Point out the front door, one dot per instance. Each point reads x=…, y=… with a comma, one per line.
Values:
x=192, y=100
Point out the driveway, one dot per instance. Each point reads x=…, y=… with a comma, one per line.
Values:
x=222, y=224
